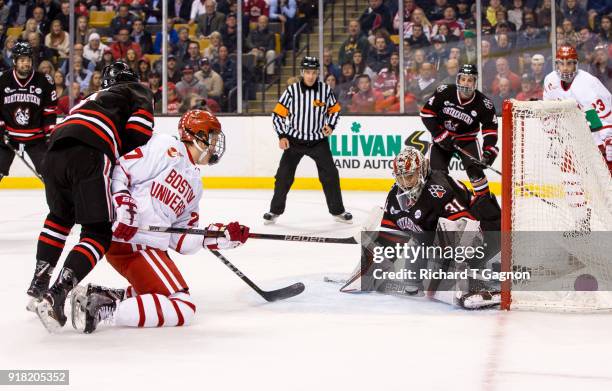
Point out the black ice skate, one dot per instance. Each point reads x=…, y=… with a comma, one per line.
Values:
x=39, y=284
x=50, y=308
x=480, y=300
x=94, y=304
x=270, y=218
x=344, y=217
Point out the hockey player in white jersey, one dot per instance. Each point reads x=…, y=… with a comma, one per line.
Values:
x=157, y=184
x=593, y=98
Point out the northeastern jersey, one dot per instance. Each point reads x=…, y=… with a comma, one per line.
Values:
x=29, y=106
x=589, y=93
x=167, y=187
x=445, y=114
x=441, y=196
x=114, y=120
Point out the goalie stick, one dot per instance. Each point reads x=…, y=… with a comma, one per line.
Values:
x=253, y=235
x=278, y=294
x=19, y=154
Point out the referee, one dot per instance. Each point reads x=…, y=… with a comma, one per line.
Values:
x=305, y=115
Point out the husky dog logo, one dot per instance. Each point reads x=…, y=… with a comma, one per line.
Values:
x=22, y=116
x=437, y=191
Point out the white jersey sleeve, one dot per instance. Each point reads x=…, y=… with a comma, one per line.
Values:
x=167, y=188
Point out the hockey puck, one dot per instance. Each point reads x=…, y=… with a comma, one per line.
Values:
x=585, y=282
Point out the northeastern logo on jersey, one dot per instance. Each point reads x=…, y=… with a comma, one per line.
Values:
x=437, y=191
x=22, y=116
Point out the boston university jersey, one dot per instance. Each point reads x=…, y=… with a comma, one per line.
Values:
x=458, y=119
x=114, y=120
x=441, y=196
x=589, y=93
x=167, y=187
x=29, y=106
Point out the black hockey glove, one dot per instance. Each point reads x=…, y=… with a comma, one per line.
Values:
x=447, y=144
x=489, y=155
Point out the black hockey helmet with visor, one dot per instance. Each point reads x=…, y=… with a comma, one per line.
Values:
x=22, y=49
x=116, y=73
x=467, y=70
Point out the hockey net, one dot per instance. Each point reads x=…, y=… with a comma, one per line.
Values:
x=556, y=208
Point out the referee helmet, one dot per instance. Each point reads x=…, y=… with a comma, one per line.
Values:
x=310, y=62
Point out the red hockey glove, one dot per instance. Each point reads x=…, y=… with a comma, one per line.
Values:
x=126, y=223
x=223, y=237
x=445, y=141
x=489, y=155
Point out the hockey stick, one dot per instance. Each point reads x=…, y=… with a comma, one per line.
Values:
x=253, y=235
x=278, y=294
x=28, y=165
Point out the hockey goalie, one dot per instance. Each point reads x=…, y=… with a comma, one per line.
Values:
x=428, y=208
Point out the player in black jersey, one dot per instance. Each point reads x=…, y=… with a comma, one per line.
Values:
x=82, y=152
x=454, y=115
x=28, y=110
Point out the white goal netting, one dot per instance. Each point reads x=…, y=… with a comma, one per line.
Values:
x=560, y=209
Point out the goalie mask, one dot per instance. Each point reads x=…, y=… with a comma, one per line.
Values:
x=410, y=170
x=566, y=63
x=203, y=126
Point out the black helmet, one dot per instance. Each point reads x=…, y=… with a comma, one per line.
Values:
x=22, y=49
x=467, y=69
x=117, y=72
x=310, y=63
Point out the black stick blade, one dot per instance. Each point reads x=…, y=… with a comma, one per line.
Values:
x=284, y=293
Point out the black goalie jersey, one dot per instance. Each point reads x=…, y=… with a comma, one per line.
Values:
x=114, y=120
x=441, y=196
x=29, y=107
x=445, y=115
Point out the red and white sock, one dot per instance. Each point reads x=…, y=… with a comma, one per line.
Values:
x=155, y=310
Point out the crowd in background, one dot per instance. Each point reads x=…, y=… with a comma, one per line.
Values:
x=438, y=37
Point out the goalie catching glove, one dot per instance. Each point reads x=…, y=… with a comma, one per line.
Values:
x=223, y=237
x=126, y=210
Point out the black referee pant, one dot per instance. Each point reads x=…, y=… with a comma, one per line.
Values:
x=328, y=174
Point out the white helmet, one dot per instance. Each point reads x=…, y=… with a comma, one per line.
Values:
x=410, y=170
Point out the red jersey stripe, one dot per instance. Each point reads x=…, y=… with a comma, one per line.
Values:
x=106, y=120
x=93, y=128
x=138, y=128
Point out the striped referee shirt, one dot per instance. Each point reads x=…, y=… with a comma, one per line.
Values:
x=302, y=111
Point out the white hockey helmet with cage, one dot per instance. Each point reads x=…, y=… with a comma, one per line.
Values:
x=410, y=170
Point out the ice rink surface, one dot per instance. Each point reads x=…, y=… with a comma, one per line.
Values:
x=320, y=340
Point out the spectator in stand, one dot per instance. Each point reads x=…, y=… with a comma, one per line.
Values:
x=439, y=54
x=464, y=15
x=51, y=9
x=537, y=72
x=379, y=55
x=543, y=15
x=60, y=84
x=575, y=13
x=173, y=38
x=436, y=11
x=144, y=69
x=174, y=101
x=331, y=81
x=419, y=58
x=58, y=39
x=345, y=87
x=452, y=68
x=605, y=29
x=131, y=59
x=78, y=52
x=253, y=9
x=444, y=31
x=192, y=57
x=123, y=20
x=155, y=87
x=30, y=27
x=450, y=21
x=568, y=33
x=226, y=68
x=409, y=7
x=107, y=59
x=505, y=92
x=229, y=33
x=46, y=68
x=586, y=45
x=355, y=41
x=377, y=15
x=82, y=75
x=504, y=48
x=361, y=67
x=504, y=72
x=469, y=48
x=64, y=15
x=488, y=66
x=601, y=67
x=4, y=13
x=211, y=80
x=418, y=38
x=7, y=55
x=19, y=12
x=174, y=73
x=418, y=18
x=198, y=8
x=82, y=30
x=212, y=51
x=142, y=37
x=531, y=39
x=285, y=12
x=179, y=11
x=210, y=21
x=364, y=100
x=63, y=103
x=95, y=83
x=515, y=14
x=153, y=11
x=388, y=78
x=39, y=53
x=94, y=49
x=529, y=90
x=123, y=44
x=189, y=84
x=260, y=42
x=491, y=11
x=328, y=63
x=425, y=84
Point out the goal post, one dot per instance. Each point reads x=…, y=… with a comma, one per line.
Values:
x=556, y=209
